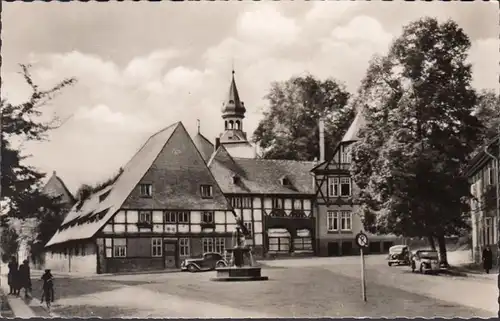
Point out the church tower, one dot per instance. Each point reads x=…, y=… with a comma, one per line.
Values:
x=234, y=138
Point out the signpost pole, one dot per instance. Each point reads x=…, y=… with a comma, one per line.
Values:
x=363, y=281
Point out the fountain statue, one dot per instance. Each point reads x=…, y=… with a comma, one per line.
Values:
x=241, y=265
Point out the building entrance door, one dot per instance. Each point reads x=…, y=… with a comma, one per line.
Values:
x=170, y=254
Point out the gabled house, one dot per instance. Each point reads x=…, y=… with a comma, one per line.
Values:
x=275, y=198
x=166, y=205
x=56, y=188
x=483, y=178
x=337, y=223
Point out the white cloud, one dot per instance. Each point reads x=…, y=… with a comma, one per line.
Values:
x=362, y=29
x=149, y=67
x=324, y=10
x=263, y=23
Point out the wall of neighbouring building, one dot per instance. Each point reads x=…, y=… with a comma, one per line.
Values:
x=80, y=258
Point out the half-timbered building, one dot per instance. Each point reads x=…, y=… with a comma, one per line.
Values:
x=337, y=221
x=275, y=199
x=166, y=205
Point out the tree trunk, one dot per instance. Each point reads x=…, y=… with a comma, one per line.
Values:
x=442, y=250
x=432, y=244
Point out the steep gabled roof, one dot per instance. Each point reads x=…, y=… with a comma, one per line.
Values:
x=55, y=187
x=357, y=124
x=260, y=176
x=82, y=219
x=168, y=158
x=204, y=146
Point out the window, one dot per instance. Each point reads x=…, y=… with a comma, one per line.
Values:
x=146, y=190
x=119, y=247
x=236, y=202
x=206, y=191
x=170, y=217
x=145, y=217
x=246, y=202
x=156, y=247
x=208, y=244
x=332, y=221
x=333, y=186
x=345, y=157
x=297, y=205
x=279, y=244
x=183, y=217
x=248, y=226
x=83, y=250
x=220, y=245
x=345, y=186
x=490, y=176
x=184, y=247
x=207, y=217
x=302, y=244
x=236, y=179
x=277, y=203
x=345, y=222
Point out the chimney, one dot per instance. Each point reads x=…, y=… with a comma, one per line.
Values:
x=217, y=143
x=321, y=126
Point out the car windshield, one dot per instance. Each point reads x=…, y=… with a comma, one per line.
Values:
x=428, y=254
x=396, y=249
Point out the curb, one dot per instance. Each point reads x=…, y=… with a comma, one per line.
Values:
x=18, y=307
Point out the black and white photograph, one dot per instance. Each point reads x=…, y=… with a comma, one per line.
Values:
x=250, y=159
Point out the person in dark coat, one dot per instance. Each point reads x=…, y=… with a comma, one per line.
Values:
x=48, y=286
x=25, y=278
x=12, y=276
x=487, y=259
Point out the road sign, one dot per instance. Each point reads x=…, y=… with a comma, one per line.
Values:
x=361, y=240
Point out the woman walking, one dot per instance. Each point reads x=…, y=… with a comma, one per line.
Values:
x=25, y=278
x=487, y=259
x=12, y=277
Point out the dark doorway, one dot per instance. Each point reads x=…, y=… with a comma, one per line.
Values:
x=387, y=246
x=347, y=248
x=374, y=247
x=333, y=249
x=170, y=254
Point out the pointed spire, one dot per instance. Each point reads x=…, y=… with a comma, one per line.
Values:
x=233, y=105
x=198, y=122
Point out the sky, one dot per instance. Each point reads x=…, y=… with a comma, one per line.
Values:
x=142, y=66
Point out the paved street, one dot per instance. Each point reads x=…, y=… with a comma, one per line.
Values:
x=297, y=288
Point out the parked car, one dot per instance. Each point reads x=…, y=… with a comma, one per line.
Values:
x=399, y=255
x=425, y=261
x=209, y=261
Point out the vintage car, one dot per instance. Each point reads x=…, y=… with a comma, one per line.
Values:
x=398, y=255
x=209, y=261
x=425, y=261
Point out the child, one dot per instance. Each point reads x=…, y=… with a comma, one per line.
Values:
x=48, y=286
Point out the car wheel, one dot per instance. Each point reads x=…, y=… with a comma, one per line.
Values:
x=192, y=268
x=413, y=267
x=220, y=265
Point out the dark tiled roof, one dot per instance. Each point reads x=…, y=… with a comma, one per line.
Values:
x=204, y=146
x=168, y=160
x=261, y=176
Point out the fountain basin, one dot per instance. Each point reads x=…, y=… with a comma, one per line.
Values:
x=245, y=273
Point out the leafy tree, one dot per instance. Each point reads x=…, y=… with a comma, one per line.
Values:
x=289, y=129
x=22, y=184
x=8, y=239
x=488, y=112
x=409, y=161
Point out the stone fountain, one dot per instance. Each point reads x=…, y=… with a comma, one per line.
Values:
x=241, y=266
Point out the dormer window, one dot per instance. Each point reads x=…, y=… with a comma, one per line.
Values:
x=231, y=101
x=285, y=181
x=206, y=191
x=146, y=190
x=103, y=196
x=236, y=179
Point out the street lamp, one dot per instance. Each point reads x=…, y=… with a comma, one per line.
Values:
x=497, y=181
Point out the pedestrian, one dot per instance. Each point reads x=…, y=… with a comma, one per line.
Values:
x=48, y=287
x=25, y=278
x=487, y=259
x=12, y=276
